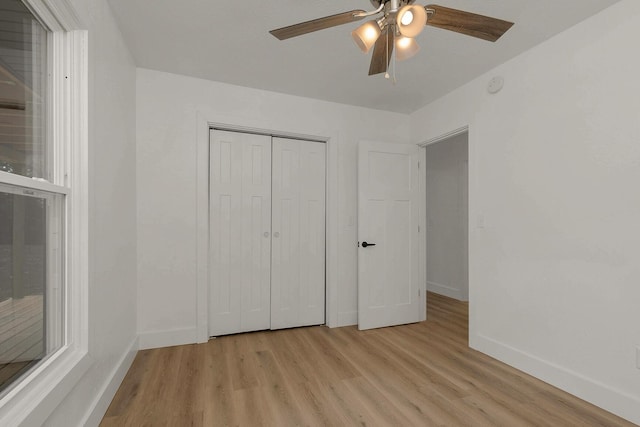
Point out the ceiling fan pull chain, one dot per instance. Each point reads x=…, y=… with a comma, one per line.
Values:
x=395, y=54
x=386, y=74
x=394, y=59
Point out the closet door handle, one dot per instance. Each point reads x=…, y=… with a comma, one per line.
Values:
x=276, y=234
x=365, y=244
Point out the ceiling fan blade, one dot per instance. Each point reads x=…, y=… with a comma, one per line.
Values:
x=468, y=23
x=317, y=24
x=382, y=52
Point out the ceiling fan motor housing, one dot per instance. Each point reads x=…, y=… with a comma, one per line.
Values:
x=377, y=3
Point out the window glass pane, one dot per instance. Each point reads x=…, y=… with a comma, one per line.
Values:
x=23, y=78
x=30, y=270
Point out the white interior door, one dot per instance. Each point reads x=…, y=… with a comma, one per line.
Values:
x=298, y=244
x=240, y=232
x=388, y=217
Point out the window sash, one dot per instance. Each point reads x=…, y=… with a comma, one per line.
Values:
x=53, y=289
x=26, y=70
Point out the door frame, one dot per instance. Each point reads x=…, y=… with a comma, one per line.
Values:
x=204, y=124
x=423, y=203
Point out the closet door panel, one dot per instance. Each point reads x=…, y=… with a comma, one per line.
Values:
x=312, y=233
x=298, y=221
x=240, y=220
x=285, y=274
x=256, y=233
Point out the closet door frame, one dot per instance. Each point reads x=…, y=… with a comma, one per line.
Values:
x=204, y=124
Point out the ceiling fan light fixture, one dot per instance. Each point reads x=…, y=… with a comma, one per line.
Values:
x=407, y=18
x=406, y=47
x=411, y=20
x=366, y=35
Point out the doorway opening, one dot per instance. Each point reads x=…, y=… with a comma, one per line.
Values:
x=447, y=216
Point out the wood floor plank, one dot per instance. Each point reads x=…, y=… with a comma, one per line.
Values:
x=377, y=408
x=327, y=358
x=253, y=409
x=278, y=393
x=220, y=405
x=347, y=410
x=420, y=374
x=243, y=367
x=129, y=390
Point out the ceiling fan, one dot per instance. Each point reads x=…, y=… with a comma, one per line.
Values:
x=400, y=21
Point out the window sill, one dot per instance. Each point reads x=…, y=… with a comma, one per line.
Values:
x=35, y=398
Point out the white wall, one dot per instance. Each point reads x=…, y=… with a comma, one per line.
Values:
x=447, y=237
x=555, y=166
x=167, y=109
x=112, y=221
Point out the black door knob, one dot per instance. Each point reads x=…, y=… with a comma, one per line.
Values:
x=365, y=244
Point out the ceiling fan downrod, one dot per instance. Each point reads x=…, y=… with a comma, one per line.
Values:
x=389, y=6
x=376, y=3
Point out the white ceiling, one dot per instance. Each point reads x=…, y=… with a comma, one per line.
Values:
x=228, y=41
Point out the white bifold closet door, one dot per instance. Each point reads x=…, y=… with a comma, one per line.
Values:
x=267, y=233
x=298, y=244
x=240, y=233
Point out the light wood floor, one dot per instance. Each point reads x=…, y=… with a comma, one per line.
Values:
x=414, y=375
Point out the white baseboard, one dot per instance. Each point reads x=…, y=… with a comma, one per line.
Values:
x=102, y=401
x=615, y=401
x=170, y=338
x=447, y=291
x=347, y=318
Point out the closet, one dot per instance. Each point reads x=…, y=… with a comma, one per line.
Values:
x=267, y=232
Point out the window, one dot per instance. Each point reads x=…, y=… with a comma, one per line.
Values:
x=43, y=207
x=30, y=220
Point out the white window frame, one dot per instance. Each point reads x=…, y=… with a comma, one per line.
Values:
x=32, y=400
